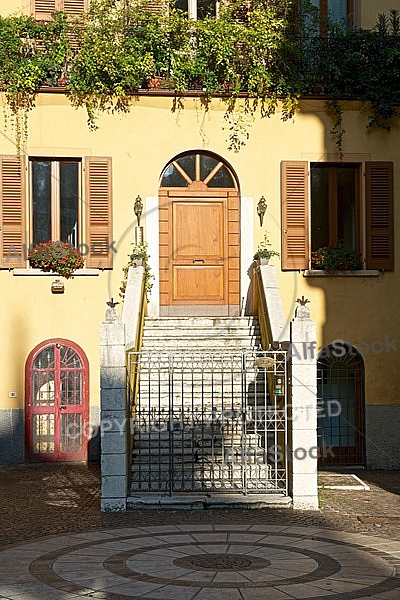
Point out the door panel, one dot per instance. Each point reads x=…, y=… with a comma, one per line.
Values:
x=191, y=283
x=56, y=403
x=198, y=247
x=198, y=230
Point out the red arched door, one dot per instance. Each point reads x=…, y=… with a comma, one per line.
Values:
x=56, y=403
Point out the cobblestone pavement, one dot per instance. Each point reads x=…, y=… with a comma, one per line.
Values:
x=56, y=544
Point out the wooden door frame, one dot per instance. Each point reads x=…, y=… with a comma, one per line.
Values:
x=231, y=245
x=29, y=456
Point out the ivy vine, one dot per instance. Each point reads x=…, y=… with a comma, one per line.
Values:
x=263, y=52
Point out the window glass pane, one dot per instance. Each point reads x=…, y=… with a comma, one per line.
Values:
x=181, y=5
x=69, y=182
x=187, y=163
x=346, y=206
x=172, y=178
x=45, y=359
x=221, y=179
x=207, y=164
x=43, y=434
x=337, y=11
x=310, y=18
x=319, y=207
x=41, y=201
x=206, y=8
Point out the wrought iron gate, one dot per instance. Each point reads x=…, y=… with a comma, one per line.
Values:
x=209, y=422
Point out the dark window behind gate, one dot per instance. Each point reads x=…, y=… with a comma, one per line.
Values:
x=341, y=406
x=207, y=422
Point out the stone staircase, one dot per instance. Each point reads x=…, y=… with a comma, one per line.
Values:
x=198, y=394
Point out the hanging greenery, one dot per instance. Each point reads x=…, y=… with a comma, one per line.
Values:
x=252, y=51
x=31, y=55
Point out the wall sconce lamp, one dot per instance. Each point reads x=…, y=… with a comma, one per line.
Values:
x=138, y=209
x=261, y=209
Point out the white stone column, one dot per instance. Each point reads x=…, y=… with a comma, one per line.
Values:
x=114, y=414
x=303, y=459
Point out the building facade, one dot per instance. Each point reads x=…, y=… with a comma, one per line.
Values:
x=79, y=185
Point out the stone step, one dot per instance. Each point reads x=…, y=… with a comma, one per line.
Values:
x=211, y=392
x=155, y=439
x=212, y=473
x=184, y=458
x=267, y=497
x=205, y=343
x=194, y=328
x=206, y=322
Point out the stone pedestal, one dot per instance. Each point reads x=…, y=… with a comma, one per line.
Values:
x=303, y=439
x=114, y=414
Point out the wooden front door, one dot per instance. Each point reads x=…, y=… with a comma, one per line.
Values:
x=57, y=403
x=199, y=242
x=198, y=268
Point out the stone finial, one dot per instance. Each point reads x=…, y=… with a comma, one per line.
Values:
x=111, y=312
x=302, y=311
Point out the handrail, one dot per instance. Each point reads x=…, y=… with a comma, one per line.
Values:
x=133, y=314
x=267, y=305
x=261, y=309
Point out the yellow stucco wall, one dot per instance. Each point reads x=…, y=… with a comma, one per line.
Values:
x=369, y=11
x=141, y=143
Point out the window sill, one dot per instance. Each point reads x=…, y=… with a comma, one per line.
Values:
x=360, y=273
x=36, y=272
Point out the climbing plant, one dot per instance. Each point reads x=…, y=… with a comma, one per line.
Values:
x=31, y=54
x=260, y=51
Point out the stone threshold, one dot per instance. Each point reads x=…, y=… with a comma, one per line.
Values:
x=200, y=502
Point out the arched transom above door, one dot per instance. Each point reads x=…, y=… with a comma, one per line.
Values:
x=197, y=171
x=199, y=237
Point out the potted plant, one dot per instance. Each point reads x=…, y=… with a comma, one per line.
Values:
x=56, y=257
x=138, y=257
x=264, y=252
x=336, y=257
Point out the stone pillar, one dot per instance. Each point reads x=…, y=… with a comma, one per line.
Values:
x=303, y=453
x=114, y=416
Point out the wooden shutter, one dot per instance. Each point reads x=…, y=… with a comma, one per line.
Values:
x=75, y=7
x=156, y=6
x=379, y=214
x=294, y=215
x=12, y=212
x=43, y=9
x=98, y=199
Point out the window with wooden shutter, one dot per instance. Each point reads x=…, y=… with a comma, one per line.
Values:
x=43, y=9
x=379, y=215
x=197, y=9
x=294, y=215
x=55, y=193
x=12, y=212
x=75, y=7
x=156, y=6
x=98, y=201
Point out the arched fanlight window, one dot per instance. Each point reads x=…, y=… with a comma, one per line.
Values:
x=197, y=171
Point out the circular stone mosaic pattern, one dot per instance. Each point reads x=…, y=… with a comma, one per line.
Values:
x=221, y=562
x=203, y=562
